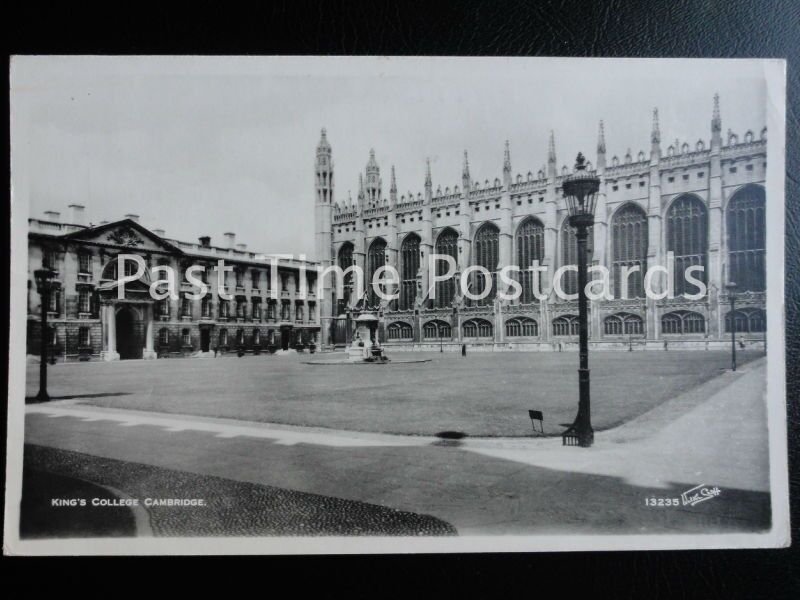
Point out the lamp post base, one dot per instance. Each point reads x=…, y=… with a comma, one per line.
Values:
x=585, y=438
x=42, y=396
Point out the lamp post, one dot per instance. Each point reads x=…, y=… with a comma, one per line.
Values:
x=44, y=285
x=731, y=287
x=580, y=191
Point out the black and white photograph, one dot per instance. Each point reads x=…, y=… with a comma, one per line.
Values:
x=336, y=305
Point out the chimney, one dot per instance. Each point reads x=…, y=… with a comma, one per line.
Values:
x=241, y=247
x=134, y=218
x=230, y=238
x=159, y=232
x=52, y=215
x=205, y=241
x=77, y=214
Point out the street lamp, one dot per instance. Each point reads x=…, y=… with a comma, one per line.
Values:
x=580, y=191
x=731, y=287
x=45, y=281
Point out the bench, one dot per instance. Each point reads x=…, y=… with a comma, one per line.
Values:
x=570, y=435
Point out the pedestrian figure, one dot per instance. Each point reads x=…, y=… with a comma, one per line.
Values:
x=463, y=349
x=741, y=342
x=215, y=352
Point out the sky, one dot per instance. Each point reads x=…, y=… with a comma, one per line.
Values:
x=204, y=145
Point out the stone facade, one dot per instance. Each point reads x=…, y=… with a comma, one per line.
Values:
x=87, y=321
x=703, y=201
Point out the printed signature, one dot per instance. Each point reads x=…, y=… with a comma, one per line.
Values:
x=699, y=494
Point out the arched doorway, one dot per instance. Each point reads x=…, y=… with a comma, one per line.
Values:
x=128, y=334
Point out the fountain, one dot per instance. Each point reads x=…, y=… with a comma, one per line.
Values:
x=365, y=346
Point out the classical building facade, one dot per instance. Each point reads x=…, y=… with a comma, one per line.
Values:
x=702, y=201
x=86, y=320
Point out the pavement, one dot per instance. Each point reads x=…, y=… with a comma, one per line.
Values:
x=714, y=435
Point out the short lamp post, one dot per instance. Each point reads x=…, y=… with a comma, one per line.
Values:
x=731, y=287
x=45, y=281
x=580, y=190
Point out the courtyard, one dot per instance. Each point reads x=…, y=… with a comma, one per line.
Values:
x=482, y=394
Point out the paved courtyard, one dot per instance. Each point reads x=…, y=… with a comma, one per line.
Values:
x=482, y=394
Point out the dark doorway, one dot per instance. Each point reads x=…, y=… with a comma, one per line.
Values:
x=205, y=339
x=286, y=337
x=128, y=345
x=339, y=330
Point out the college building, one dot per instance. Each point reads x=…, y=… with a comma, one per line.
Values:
x=87, y=320
x=701, y=200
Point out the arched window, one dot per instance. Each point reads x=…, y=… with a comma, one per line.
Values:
x=400, y=331
x=522, y=327
x=446, y=244
x=436, y=329
x=623, y=324
x=746, y=239
x=486, y=255
x=376, y=258
x=256, y=337
x=240, y=337
x=687, y=239
x=477, y=328
x=223, y=337
x=530, y=248
x=629, y=245
x=569, y=255
x=345, y=260
x=566, y=325
x=747, y=320
x=683, y=321
x=409, y=265
x=186, y=337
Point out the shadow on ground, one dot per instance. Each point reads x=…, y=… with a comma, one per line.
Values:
x=72, y=515
x=232, y=508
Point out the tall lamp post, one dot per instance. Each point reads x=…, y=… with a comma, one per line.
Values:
x=44, y=285
x=731, y=287
x=580, y=190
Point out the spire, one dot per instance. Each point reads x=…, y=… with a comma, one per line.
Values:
x=372, y=164
x=601, y=139
x=507, y=159
x=655, y=134
x=393, y=189
x=716, y=120
x=465, y=177
x=323, y=142
x=601, y=149
x=428, y=179
x=655, y=140
x=361, y=192
x=552, y=169
x=551, y=148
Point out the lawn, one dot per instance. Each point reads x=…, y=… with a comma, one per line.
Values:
x=482, y=394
